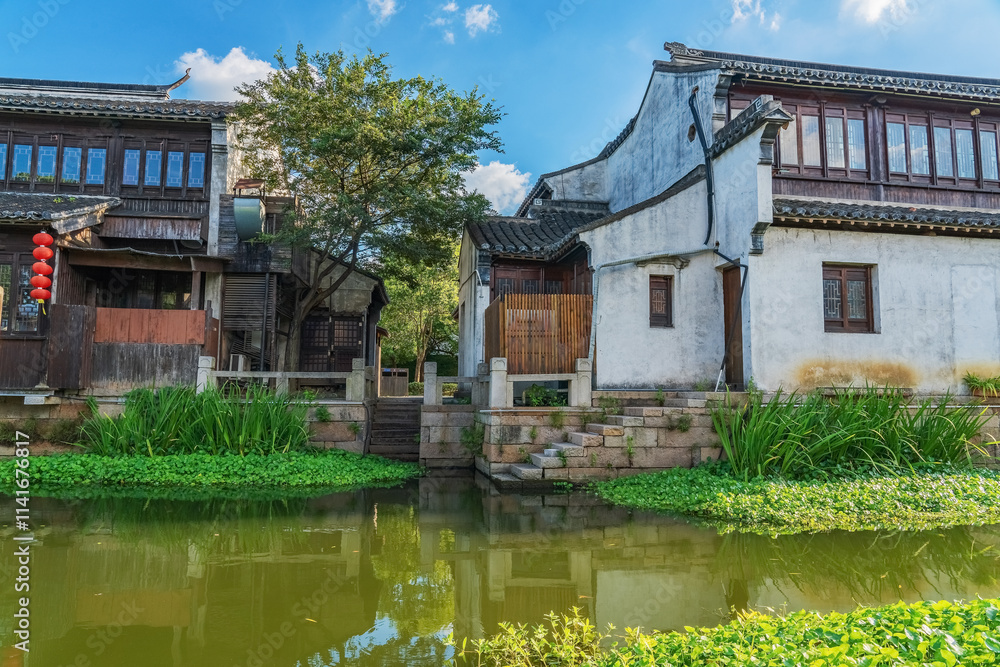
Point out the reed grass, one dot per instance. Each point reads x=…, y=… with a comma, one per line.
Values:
x=795, y=435
x=176, y=420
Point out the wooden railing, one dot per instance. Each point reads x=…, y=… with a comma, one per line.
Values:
x=133, y=325
x=539, y=333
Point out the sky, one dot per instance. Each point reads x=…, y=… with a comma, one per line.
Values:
x=568, y=73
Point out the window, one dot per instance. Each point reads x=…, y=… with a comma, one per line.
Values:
x=789, y=143
x=71, y=165
x=3, y=161
x=46, y=164
x=130, y=167
x=196, y=170
x=22, y=162
x=835, y=143
x=988, y=154
x=148, y=290
x=19, y=312
x=175, y=169
x=943, y=159
x=530, y=286
x=661, y=312
x=966, y=153
x=856, y=143
x=152, y=168
x=553, y=287
x=847, y=299
x=896, y=134
x=810, y=141
x=96, y=161
x=919, y=151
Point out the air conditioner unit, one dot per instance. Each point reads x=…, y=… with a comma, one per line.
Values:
x=238, y=362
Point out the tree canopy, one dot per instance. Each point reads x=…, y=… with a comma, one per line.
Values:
x=374, y=162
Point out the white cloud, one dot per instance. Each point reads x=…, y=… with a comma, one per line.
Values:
x=873, y=11
x=215, y=78
x=382, y=10
x=480, y=18
x=449, y=37
x=747, y=9
x=451, y=7
x=502, y=184
x=439, y=21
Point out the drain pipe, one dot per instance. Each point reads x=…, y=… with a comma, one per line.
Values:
x=738, y=315
x=642, y=259
x=709, y=171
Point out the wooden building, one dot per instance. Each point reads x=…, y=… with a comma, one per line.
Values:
x=154, y=264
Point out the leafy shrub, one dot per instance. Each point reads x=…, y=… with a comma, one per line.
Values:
x=557, y=419
x=176, y=420
x=415, y=389
x=793, y=435
x=568, y=641
x=323, y=414
x=58, y=475
x=449, y=388
x=472, y=438
x=538, y=396
x=920, y=499
x=986, y=386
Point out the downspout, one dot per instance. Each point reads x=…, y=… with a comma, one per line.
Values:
x=709, y=171
x=738, y=315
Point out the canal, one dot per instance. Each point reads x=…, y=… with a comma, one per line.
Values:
x=383, y=577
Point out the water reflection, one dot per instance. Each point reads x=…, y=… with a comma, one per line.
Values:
x=381, y=577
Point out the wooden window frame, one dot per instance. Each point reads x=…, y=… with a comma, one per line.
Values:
x=824, y=113
x=662, y=320
x=844, y=273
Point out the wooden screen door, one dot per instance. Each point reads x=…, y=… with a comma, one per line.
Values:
x=734, y=326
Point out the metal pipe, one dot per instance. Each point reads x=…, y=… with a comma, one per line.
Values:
x=709, y=171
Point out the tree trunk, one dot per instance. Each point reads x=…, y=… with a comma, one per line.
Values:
x=419, y=373
x=293, y=345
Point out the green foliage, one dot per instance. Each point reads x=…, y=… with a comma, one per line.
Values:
x=449, y=388
x=704, y=385
x=472, y=437
x=593, y=459
x=683, y=423
x=355, y=428
x=924, y=633
x=532, y=434
x=609, y=405
x=525, y=456
x=630, y=448
x=796, y=434
x=563, y=458
x=538, y=396
x=567, y=641
x=557, y=418
x=660, y=397
x=176, y=420
x=57, y=475
x=323, y=414
x=375, y=163
x=986, y=386
x=415, y=389
x=908, y=499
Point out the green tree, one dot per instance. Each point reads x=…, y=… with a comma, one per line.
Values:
x=375, y=163
x=419, y=316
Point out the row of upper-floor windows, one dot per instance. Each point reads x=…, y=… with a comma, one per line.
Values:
x=142, y=167
x=920, y=147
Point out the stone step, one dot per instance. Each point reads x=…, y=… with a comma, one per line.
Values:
x=551, y=452
x=605, y=429
x=586, y=439
x=526, y=472
x=623, y=421
x=571, y=450
x=542, y=461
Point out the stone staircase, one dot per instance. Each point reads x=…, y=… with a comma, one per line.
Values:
x=602, y=443
x=396, y=429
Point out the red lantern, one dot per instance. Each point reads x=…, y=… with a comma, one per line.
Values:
x=40, y=281
x=42, y=269
x=43, y=253
x=41, y=294
x=42, y=238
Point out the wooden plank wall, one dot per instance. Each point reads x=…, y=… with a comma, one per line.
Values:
x=22, y=363
x=125, y=366
x=539, y=333
x=163, y=327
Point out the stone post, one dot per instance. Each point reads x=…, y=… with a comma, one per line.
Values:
x=281, y=384
x=432, y=395
x=498, y=383
x=581, y=386
x=205, y=367
x=480, y=389
x=356, y=383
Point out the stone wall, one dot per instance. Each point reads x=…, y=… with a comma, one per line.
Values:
x=344, y=430
x=441, y=428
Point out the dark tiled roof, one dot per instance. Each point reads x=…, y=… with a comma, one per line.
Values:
x=132, y=89
x=114, y=107
x=538, y=237
x=48, y=207
x=793, y=71
x=804, y=209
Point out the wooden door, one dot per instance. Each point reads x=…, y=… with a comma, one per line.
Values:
x=731, y=296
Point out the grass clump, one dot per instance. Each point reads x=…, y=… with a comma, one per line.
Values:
x=176, y=420
x=791, y=435
x=921, y=498
x=924, y=633
x=55, y=475
x=986, y=386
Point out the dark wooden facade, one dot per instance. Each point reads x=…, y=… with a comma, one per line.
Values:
x=513, y=276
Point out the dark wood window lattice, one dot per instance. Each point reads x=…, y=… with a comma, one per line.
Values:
x=847, y=299
x=661, y=311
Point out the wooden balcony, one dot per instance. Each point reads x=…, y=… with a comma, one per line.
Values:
x=539, y=333
x=164, y=327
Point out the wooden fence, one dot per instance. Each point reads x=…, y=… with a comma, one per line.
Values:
x=539, y=333
x=164, y=327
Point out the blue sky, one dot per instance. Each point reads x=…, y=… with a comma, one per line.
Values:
x=568, y=73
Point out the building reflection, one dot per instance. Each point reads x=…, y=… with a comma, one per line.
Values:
x=381, y=577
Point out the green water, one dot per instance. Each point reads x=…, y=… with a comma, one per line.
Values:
x=382, y=577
